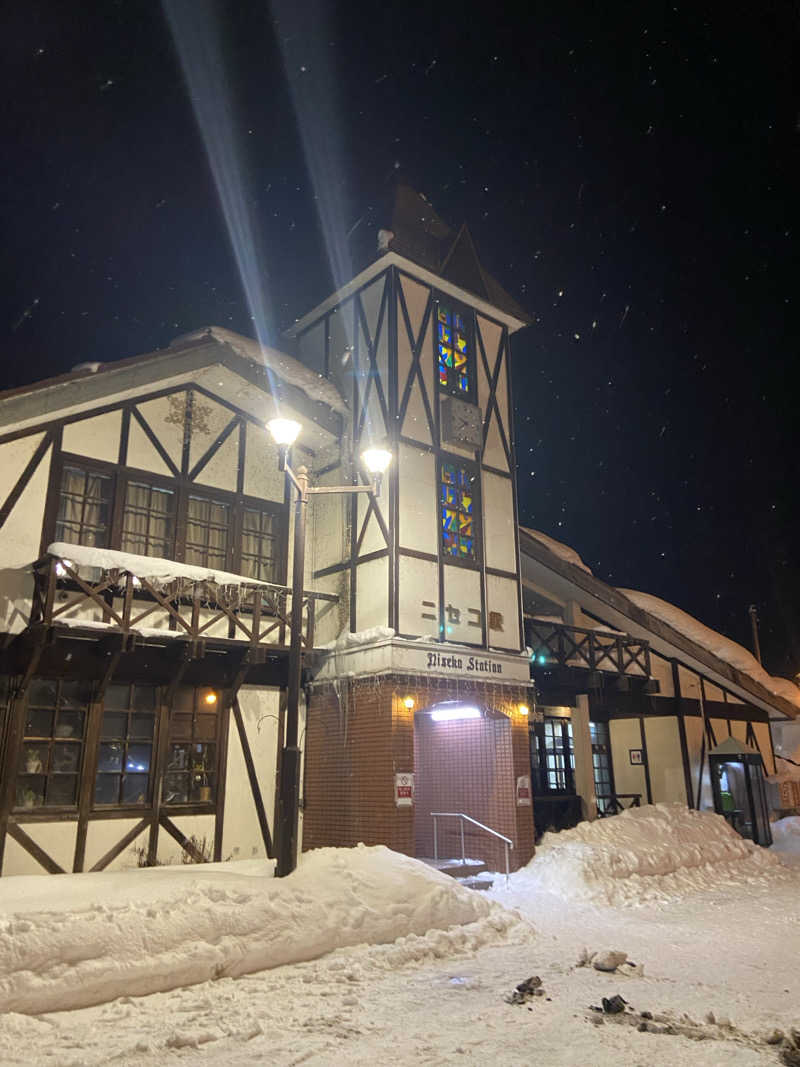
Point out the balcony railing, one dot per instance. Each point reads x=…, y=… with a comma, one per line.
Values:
x=554, y=644
x=614, y=803
x=189, y=605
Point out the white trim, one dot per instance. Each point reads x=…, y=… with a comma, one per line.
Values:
x=392, y=259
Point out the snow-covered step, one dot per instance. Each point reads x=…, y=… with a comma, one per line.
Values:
x=457, y=868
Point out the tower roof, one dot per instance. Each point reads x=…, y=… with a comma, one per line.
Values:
x=408, y=225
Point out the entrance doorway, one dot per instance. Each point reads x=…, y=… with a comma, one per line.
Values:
x=463, y=764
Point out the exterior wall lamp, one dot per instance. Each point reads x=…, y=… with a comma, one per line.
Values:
x=284, y=433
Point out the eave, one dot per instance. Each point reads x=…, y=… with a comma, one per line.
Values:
x=654, y=630
x=392, y=259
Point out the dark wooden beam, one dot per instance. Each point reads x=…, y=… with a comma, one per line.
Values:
x=24, y=478
x=121, y=845
x=186, y=844
x=30, y=846
x=255, y=788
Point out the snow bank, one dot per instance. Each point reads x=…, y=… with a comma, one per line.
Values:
x=717, y=644
x=569, y=555
x=76, y=940
x=655, y=852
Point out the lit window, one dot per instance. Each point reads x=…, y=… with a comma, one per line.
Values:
x=84, y=506
x=52, y=749
x=191, y=772
x=454, y=348
x=148, y=521
x=125, y=755
x=457, y=509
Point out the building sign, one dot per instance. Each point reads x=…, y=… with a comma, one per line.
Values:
x=453, y=616
x=404, y=790
x=523, y=791
x=637, y=756
x=457, y=661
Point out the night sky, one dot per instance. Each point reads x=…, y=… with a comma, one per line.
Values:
x=628, y=172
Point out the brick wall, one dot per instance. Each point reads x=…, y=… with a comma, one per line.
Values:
x=358, y=739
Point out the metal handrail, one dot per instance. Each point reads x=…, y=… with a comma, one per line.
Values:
x=507, y=842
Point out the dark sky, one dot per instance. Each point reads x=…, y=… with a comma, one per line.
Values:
x=629, y=172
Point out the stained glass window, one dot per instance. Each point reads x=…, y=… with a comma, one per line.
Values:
x=457, y=507
x=454, y=348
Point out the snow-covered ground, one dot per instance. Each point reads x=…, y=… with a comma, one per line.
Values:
x=710, y=930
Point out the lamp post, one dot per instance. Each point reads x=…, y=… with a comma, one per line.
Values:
x=284, y=433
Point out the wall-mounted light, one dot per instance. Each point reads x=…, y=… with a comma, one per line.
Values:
x=210, y=698
x=523, y=709
x=459, y=711
x=408, y=703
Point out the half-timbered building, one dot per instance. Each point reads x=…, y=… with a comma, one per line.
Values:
x=454, y=690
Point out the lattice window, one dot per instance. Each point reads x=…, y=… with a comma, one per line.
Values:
x=125, y=755
x=207, y=525
x=261, y=544
x=148, y=520
x=601, y=762
x=457, y=511
x=191, y=774
x=553, y=756
x=455, y=348
x=53, y=741
x=84, y=507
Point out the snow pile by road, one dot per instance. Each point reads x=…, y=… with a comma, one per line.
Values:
x=786, y=835
x=656, y=852
x=85, y=939
x=718, y=644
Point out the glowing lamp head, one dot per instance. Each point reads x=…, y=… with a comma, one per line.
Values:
x=376, y=460
x=455, y=711
x=408, y=703
x=210, y=698
x=284, y=431
x=523, y=709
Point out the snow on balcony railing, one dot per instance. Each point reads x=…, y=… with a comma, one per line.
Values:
x=97, y=587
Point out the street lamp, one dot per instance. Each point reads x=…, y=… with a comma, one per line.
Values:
x=376, y=460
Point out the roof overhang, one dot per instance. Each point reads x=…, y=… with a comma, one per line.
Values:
x=392, y=259
x=204, y=361
x=606, y=603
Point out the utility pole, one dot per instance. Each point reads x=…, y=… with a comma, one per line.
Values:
x=753, y=610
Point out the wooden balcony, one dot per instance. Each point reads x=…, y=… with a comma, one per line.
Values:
x=556, y=645
x=76, y=595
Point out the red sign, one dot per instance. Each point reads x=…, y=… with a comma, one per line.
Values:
x=404, y=790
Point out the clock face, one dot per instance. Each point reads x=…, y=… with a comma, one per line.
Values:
x=462, y=423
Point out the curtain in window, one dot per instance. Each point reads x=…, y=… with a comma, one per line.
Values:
x=83, y=508
x=207, y=532
x=258, y=545
x=147, y=520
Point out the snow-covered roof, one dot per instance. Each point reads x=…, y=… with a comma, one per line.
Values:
x=314, y=385
x=646, y=612
x=150, y=567
x=558, y=548
x=714, y=642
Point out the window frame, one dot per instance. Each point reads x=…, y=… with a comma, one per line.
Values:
x=16, y=769
x=100, y=807
x=540, y=774
x=183, y=488
x=476, y=561
x=468, y=315
x=193, y=741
